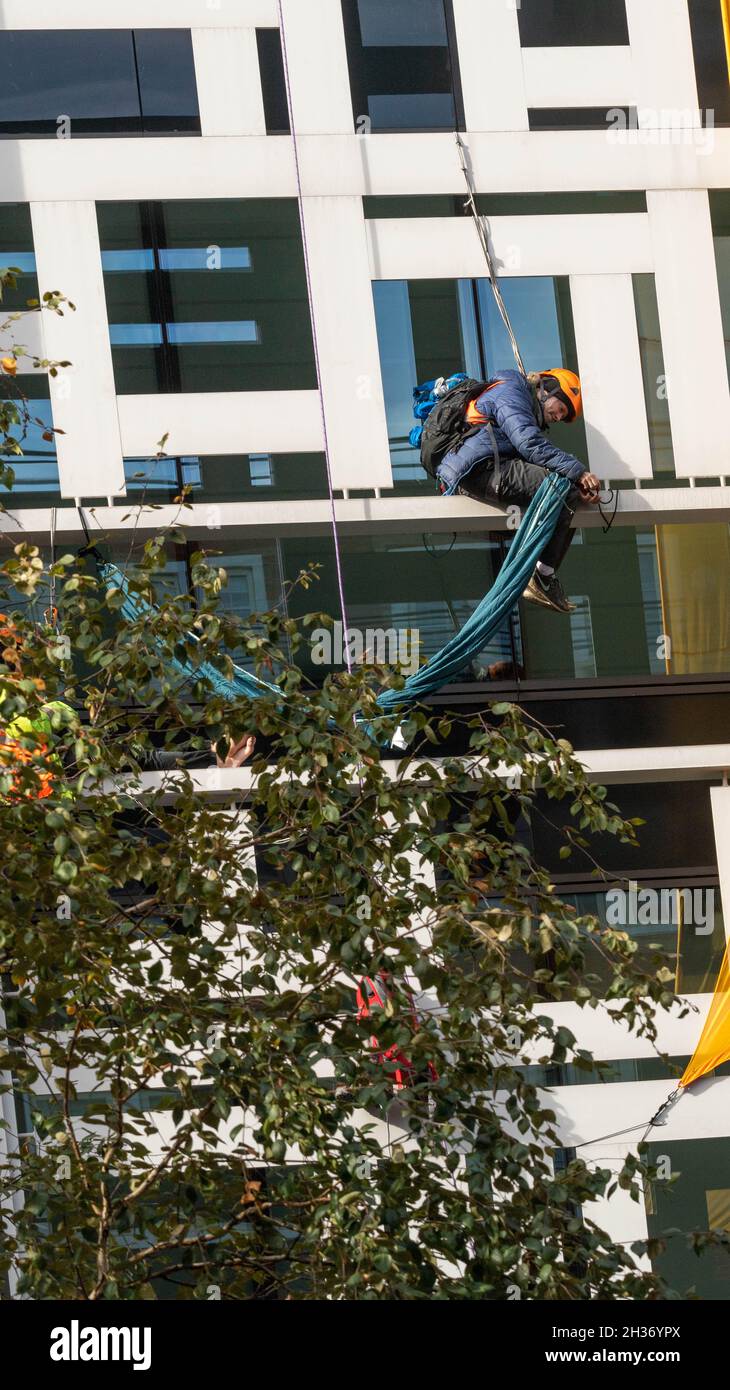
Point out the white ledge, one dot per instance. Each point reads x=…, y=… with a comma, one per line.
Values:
x=691, y=763
x=636, y=507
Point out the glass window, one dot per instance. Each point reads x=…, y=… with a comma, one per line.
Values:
x=17, y=251
x=677, y=837
x=613, y=1072
x=581, y=637
x=579, y=117
x=420, y=589
x=504, y=204
x=712, y=55
x=560, y=204
x=385, y=24
x=720, y=209
x=617, y=629
x=273, y=81
x=566, y=23
x=97, y=82
x=261, y=470
x=656, y=601
x=656, y=391
x=403, y=67
x=206, y=296
x=685, y=924
x=36, y=472
x=254, y=583
x=697, y=1200
x=166, y=74
x=694, y=572
x=227, y=478
x=431, y=583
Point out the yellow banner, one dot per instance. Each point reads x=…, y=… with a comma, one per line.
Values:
x=713, y=1047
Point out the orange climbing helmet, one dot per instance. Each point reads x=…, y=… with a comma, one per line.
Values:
x=568, y=390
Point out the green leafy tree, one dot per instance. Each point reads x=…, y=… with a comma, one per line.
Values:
x=201, y=1110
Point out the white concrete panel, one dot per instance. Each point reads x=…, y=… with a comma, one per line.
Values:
x=319, y=74
x=619, y=1215
x=587, y=1112
x=607, y=1036
x=504, y=162
x=692, y=331
x=720, y=800
x=690, y=762
x=617, y=430
x=567, y=77
x=229, y=82
x=228, y=422
x=136, y=14
x=663, y=60
x=262, y=166
x=490, y=62
x=83, y=396
x=348, y=342
x=173, y=167
x=589, y=244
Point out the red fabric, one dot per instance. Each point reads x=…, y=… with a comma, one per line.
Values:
x=373, y=994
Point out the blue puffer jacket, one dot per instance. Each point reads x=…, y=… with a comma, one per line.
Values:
x=510, y=408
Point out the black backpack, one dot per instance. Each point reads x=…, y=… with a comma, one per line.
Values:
x=446, y=426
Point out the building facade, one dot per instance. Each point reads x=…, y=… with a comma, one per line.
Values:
x=152, y=162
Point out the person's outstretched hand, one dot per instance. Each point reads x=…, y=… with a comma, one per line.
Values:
x=238, y=752
x=589, y=487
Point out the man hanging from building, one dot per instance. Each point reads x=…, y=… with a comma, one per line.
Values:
x=488, y=441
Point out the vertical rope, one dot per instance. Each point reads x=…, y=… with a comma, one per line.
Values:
x=481, y=226
x=315, y=337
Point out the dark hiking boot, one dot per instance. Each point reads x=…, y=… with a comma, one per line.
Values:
x=549, y=593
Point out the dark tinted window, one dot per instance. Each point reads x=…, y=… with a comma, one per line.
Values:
x=580, y=118
x=227, y=478
x=711, y=59
x=720, y=208
x=403, y=69
x=696, y=1200
x=206, y=296
x=383, y=23
x=503, y=204
x=97, y=82
x=35, y=473
x=166, y=71
x=273, y=82
x=562, y=23
x=678, y=833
